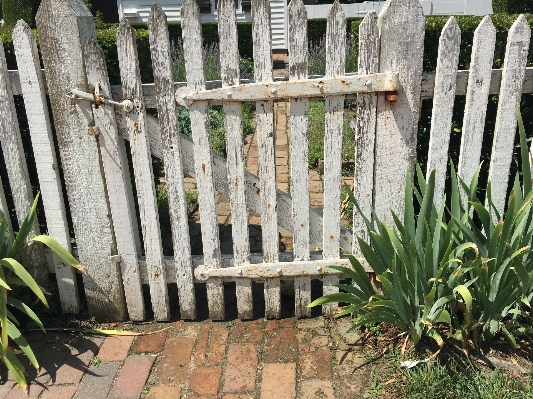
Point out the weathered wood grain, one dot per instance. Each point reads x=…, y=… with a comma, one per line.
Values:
x=32, y=88
x=262, y=41
x=510, y=96
x=299, y=151
x=401, y=24
x=334, y=124
x=64, y=26
x=17, y=172
x=476, y=100
x=441, y=117
x=171, y=151
x=229, y=66
x=365, y=130
x=142, y=166
x=192, y=44
x=116, y=174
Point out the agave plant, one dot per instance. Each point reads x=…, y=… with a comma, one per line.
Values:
x=412, y=261
x=12, y=274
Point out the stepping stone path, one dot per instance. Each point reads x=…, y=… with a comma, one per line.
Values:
x=260, y=359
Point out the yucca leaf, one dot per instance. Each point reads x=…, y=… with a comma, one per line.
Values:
x=16, y=336
x=60, y=251
x=17, y=369
x=373, y=260
x=397, y=304
x=3, y=320
x=409, y=210
x=467, y=300
x=336, y=297
x=425, y=209
x=490, y=203
x=484, y=216
x=19, y=270
x=25, y=309
x=24, y=231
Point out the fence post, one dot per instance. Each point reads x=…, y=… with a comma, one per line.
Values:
x=401, y=24
x=64, y=27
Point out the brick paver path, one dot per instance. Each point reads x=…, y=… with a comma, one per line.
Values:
x=274, y=359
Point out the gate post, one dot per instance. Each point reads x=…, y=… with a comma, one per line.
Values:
x=64, y=27
x=401, y=25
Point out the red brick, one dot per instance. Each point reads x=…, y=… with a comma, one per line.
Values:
x=241, y=368
x=151, y=343
x=279, y=381
x=174, y=361
x=205, y=381
x=287, y=323
x=316, y=364
x=271, y=326
x=60, y=392
x=237, y=396
x=71, y=371
x=17, y=392
x=5, y=387
x=282, y=347
x=238, y=334
x=256, y=333
x=211, y=345
x=132, y=377
x=164, y=392
x=115, y=349
x=315, y=389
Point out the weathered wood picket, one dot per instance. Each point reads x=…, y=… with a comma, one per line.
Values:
x=91, y=127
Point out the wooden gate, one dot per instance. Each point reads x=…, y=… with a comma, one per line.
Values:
x=92, y=119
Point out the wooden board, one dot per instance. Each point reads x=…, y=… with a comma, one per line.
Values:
x=262, y=41
x=192, y=45
x=64, y=26
x=365, y=130
x=171, y=155
x=32, y=88
x=117, y=175
x=476, y=101
x=397, y=121
x=229, y=67
x=299, y=150
x=142, y=166
x=508, y=102
x=441, y=117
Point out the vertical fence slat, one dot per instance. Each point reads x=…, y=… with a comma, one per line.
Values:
x=142, y=165
x=192, y=44
x=477, y=96
x=229, y=66
x=171, y=154
x=114, y=168
x=365, y=134
x=262, y=39
x=299, y=108
x=31, y=82
x=64, y=26
x=334, y=126
x=443, y=101
x=17, y=172
x=510, y=95
x=401, y=24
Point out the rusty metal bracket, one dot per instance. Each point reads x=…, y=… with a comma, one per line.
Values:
x=270, y=270
x=75, y=94
x=250, y=92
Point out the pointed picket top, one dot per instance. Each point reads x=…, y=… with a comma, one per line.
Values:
x=510, y=95
x=298, y=46
x=192, y=44
x=229, y=48
x=443, y=102
x=476, y=100
x=335, y=41
x=368, y=29
x=395, y=7
x=262, y=38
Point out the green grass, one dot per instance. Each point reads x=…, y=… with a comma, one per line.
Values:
x=449, y=380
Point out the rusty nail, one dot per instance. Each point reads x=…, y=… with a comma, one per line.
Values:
x=368, y=83
x=319, y=268
x=229, y=94
x=274, y=91
x=94, y=131
x=239, y=272
x=392, y=96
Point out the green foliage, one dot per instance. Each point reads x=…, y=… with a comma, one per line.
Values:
x=191, y=199
x=13, y=274
x=512, y=6
x=13, y=10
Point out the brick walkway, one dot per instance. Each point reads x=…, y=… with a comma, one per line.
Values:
x=289, y=358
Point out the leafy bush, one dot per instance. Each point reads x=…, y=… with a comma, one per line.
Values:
x=317, y=57
x=13, y=274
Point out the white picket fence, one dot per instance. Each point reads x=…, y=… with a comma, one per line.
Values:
x=90, y=133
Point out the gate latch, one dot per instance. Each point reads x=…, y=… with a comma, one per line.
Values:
x=75, y=94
